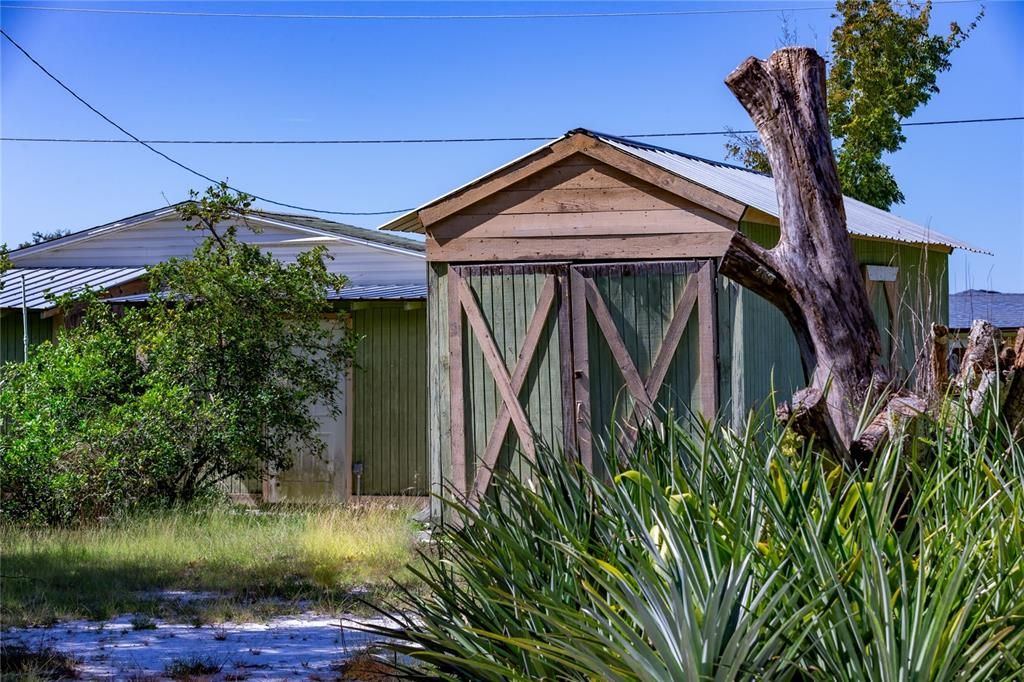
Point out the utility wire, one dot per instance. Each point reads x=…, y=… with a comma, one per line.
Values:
x=434, y=17
x=444, y=140
x=177, y=163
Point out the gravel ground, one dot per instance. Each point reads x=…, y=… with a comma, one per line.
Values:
x=301, y=647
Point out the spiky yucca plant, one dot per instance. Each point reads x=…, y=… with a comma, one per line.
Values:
x=726, y=555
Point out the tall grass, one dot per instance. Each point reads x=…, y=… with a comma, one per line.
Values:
x=728, y=555
x=239, y=555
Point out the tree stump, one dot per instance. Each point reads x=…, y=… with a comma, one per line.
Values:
x=811, y=275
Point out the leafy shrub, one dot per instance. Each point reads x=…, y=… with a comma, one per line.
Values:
x=212, y=379
x=734, y=556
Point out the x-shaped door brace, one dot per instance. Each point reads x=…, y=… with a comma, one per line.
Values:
x=644, y=393
x=509, y=385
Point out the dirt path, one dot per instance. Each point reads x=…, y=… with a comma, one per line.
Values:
x=300, y=647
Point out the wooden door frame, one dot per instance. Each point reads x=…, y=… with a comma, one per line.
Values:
x=586, y=299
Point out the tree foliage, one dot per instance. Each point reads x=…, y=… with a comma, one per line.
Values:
x=5, y=263
x=38, y=237
x=156, y=404
x=884, y=65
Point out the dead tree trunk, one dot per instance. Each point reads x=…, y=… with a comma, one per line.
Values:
x=1013, y=408
x=811, y=275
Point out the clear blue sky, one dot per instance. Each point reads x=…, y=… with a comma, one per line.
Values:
x=177, y=77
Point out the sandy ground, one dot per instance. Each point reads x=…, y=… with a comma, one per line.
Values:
x=301, y=647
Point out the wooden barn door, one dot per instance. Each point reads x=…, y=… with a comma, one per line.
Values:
x=511, y=389
x=643, y=343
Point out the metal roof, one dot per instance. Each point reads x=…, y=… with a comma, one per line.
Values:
x=381, y=292
x=384, y=292
x=309, y=223
x=748, y=187
x=58, y=281
x=343, y=229
x=1005, y=311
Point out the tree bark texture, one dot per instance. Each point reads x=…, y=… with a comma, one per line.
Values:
x=933, y=373
x=1013, y=407
x=811, y=275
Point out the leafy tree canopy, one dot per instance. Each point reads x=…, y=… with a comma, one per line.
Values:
x=38, y=237
x=883, y=66
x=156, y=404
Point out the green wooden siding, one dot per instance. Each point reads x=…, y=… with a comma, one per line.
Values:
x=12, y=339
x=641, y=305
x=758, y=349
x=389, y=390
x=508, y=302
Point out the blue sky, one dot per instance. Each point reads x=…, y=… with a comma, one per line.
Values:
x=195, y=77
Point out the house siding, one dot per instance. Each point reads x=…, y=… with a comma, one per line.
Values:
x=40, y=329
x=389, y=393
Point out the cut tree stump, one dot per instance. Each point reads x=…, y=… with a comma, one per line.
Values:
x=811, y=275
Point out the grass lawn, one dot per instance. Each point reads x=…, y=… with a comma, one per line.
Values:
x=247, y=565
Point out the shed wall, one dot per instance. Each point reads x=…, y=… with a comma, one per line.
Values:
x=758, y=348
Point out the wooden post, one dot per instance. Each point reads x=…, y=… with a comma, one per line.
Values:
x=581, y=369
x=708, y=340
x=455, y=383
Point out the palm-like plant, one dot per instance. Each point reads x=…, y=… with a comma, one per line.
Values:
x=726, y=555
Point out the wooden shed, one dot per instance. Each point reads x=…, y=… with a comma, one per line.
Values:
x=576, y=287
x=378, y=445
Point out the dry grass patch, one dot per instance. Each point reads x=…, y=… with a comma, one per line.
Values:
x=224, y=563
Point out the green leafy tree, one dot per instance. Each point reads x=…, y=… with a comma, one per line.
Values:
x=5, y=263
x=241, y=338
x=884, y=64
x=156, y=404
x=38, y=237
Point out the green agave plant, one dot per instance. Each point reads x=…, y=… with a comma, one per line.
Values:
x=722, y=555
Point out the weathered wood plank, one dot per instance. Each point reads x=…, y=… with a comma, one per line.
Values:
x=581, y=369
x=708, y=341
x=639, y=247
x=580, y=200
x=496, y=364
x=659, y=177
x=621, y=223
x=630, y=374
x=669, y=344
x=509, y=176
x=566, y=369
x=455, y=381
x=526, y=355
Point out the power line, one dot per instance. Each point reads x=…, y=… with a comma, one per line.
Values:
x=420, y=17
x=447, y=140
x=177, y=163
x=435, y=17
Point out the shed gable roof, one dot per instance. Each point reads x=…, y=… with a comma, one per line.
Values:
x=734, y=184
